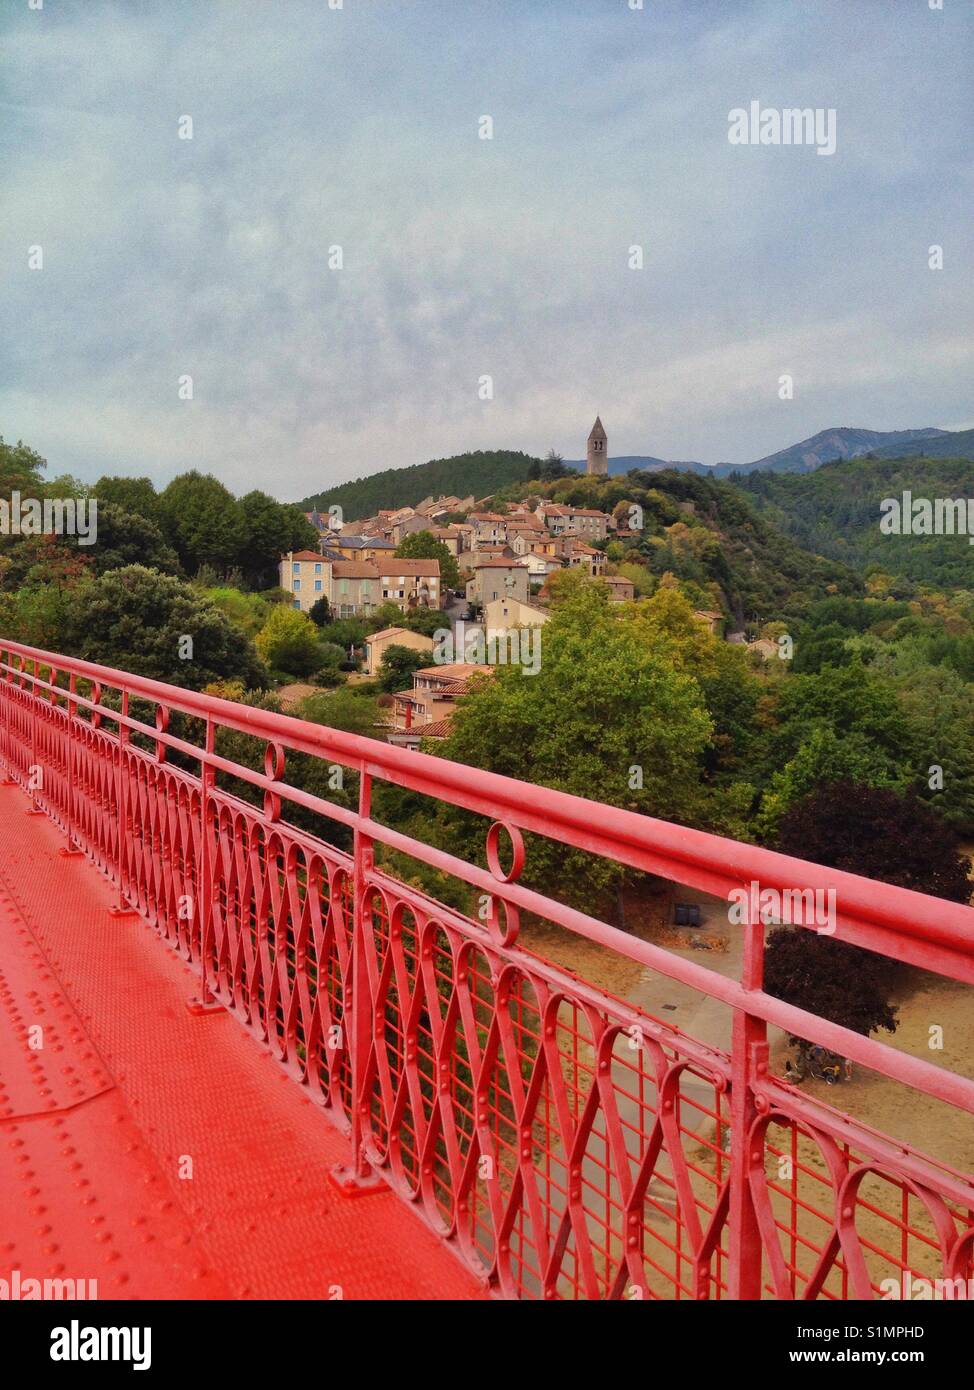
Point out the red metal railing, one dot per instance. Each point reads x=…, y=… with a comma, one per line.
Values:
x=567, y=1144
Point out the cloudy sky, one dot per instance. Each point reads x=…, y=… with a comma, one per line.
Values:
x=359, y=127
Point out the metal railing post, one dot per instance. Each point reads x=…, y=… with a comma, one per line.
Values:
x=358, y=1023
x=70, y=849
x=122, y=908
x=33, y=809
x=205, y=1001
x=749, y=1061
x=5, y=680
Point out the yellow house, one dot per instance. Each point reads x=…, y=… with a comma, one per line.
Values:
x=503, y=613
x=306, y=576
x=378, y=643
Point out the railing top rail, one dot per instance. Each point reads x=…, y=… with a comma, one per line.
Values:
x=693, y=857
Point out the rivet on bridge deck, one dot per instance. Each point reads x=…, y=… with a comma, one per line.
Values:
x=322, y=1083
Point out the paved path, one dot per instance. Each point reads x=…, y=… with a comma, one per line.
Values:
x=128, y=1089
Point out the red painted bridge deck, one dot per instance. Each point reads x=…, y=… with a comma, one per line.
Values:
x=129, y=1090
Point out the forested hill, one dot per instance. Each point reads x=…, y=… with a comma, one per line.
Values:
x=480, y=473
x=836, y=512
x=706, y=532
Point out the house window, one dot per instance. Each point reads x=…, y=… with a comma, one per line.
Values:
x=317, y=586
x=297, y=585
x=296, y=603
x=317, y=569
x=296, y=568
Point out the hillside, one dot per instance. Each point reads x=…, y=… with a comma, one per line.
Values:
x=706, y=532
x=835, y=512
x=957, y=444
x=809, y=454
x=480, y=472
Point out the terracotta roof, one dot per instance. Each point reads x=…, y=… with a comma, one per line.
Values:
x=395, y=632
x=454, y=671
x=436, y=728
x=416, y=568
x=354, y=569
x=303, y=555
x=496, y=564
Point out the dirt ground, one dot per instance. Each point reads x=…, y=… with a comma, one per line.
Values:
x=935, y=1129
x=931, y=1003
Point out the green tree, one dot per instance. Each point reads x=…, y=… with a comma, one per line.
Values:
x=823, y=756
x=264, y=538
x=248, y=612
x=288, y=641
x=346, y=709
x=131, y=494
x=398, y=665
x=139, y=620
x=320, y=611
x=129, y=538
x=21, y=469
x=880, y=834
x=270, y=530
x=834, y=979
x=202, y=521
x=603, y=704
x=423, y=545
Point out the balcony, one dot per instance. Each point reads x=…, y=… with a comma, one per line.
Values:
x=270, y=1067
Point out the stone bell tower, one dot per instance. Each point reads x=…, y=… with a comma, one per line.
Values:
x=597, y=459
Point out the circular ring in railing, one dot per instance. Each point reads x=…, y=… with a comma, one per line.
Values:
x=959, y=1260
x=274, y=761
x=162, y=724
x=95, y=700
x=503, y=932
x=493, y=856
x=272, y=807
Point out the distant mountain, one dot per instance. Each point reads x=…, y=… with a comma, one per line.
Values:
x=844, y=443
x=824, y=447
